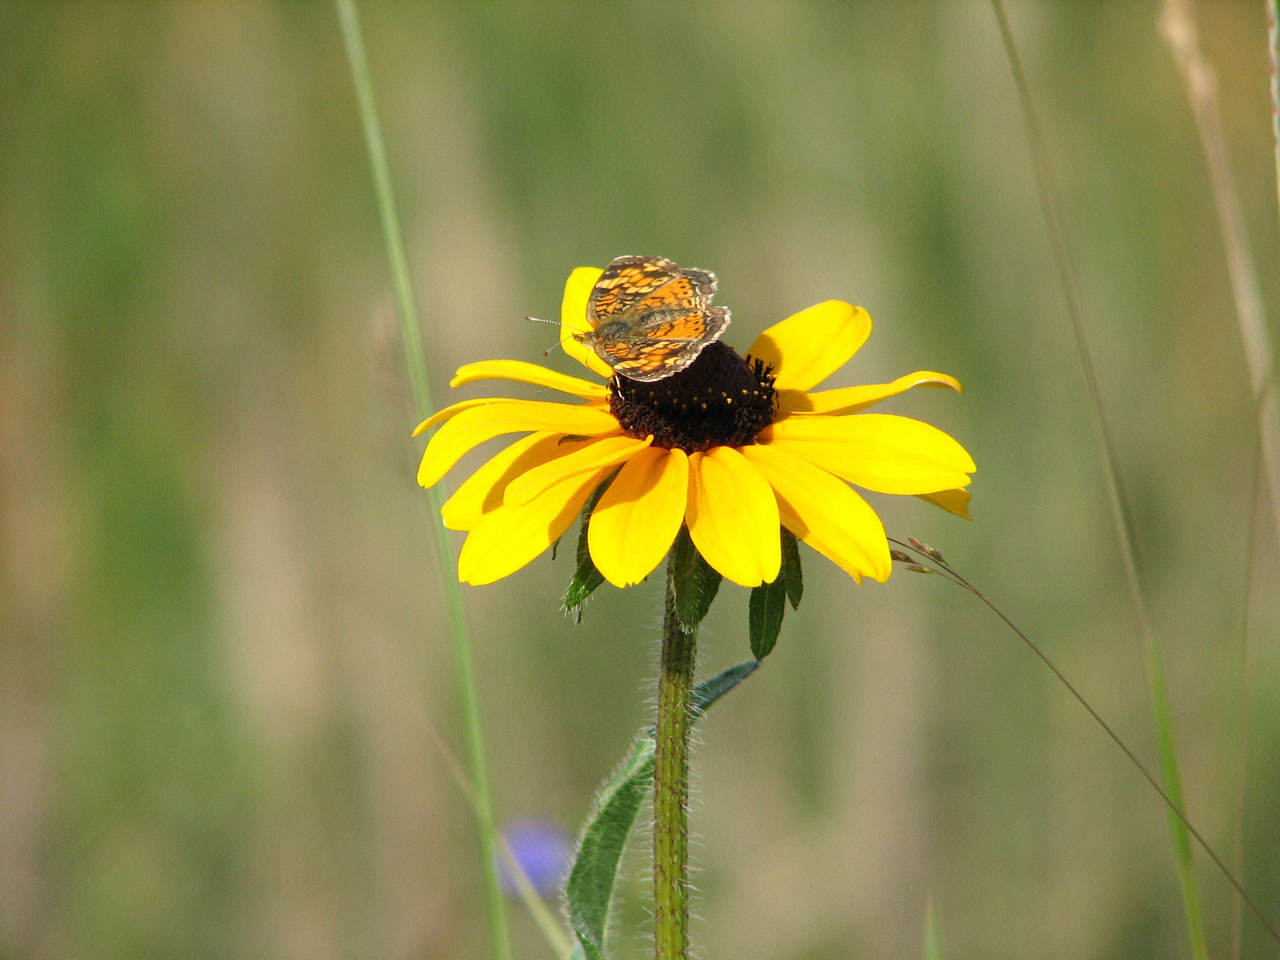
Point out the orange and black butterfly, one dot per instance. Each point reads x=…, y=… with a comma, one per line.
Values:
x=650, y=318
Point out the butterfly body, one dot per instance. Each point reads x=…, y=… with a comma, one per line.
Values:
x=650, y=318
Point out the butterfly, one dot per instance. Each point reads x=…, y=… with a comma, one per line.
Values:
x=650, y=318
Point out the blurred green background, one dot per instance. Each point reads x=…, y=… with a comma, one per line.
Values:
x=223, y=649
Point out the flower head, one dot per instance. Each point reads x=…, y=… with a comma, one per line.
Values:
x=732, y=448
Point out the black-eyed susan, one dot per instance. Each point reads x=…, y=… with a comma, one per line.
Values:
x=732, y=448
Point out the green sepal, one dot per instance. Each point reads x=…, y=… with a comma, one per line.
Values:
x=589, y=889
x=586, y=578
x=791, y=574
x=768, y=601
x=694, y=581
x=764, y=615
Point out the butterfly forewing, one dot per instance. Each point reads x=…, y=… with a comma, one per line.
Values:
x=650, y=318
x=625, y=284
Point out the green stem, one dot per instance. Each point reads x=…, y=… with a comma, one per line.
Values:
x=671, y=783
x=411, y=338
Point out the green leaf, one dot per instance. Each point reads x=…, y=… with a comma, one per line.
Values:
x=589, y=889
x=791, y=572
x=694, y=581
x=764, y=615
x=709, y=691
x=590, y=886
x=586, y=578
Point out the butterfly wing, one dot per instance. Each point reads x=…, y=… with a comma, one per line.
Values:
x=646, y=359
x=679, y=308
x=649, y=358
x=651, y=317
x=625, y=284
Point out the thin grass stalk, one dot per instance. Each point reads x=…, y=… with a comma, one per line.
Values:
x=1246, y=687
x=1178, y=26
x=420, y=384
x=932, y=934
x=1273, y=54
x=1121, y=511
x=918, y=558
x=549, y=924
x=1179, y=29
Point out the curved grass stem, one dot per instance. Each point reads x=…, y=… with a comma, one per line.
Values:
x=930, y=561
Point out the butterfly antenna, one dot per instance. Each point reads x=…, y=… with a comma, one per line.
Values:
x=558, y=343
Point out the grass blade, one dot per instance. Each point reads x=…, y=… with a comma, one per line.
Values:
x=415, y=359
x=932, y=935
x=1121, y=511
x=547, y=922
x=1178, y=26
x=1180, y=33
x=1273, y=54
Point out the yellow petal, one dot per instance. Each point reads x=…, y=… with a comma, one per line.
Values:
x=953, y=501
x=878, y=451
x=853, y=399
x=509, y=537
x=440, y=416
x=528, y=373
x=638, y=517
x=825, y=513
x=470, y=428
x=482, y=491
x=733, y=517
x=573, y=319
x=608, y=452
x=809, y=346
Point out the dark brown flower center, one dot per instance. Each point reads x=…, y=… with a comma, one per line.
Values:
x=719, y=399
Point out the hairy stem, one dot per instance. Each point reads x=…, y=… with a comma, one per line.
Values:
x=671, y=784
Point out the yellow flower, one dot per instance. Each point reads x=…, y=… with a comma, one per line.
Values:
x=732, y=448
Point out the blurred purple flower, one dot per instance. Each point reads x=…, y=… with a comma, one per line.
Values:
x=542, y=849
